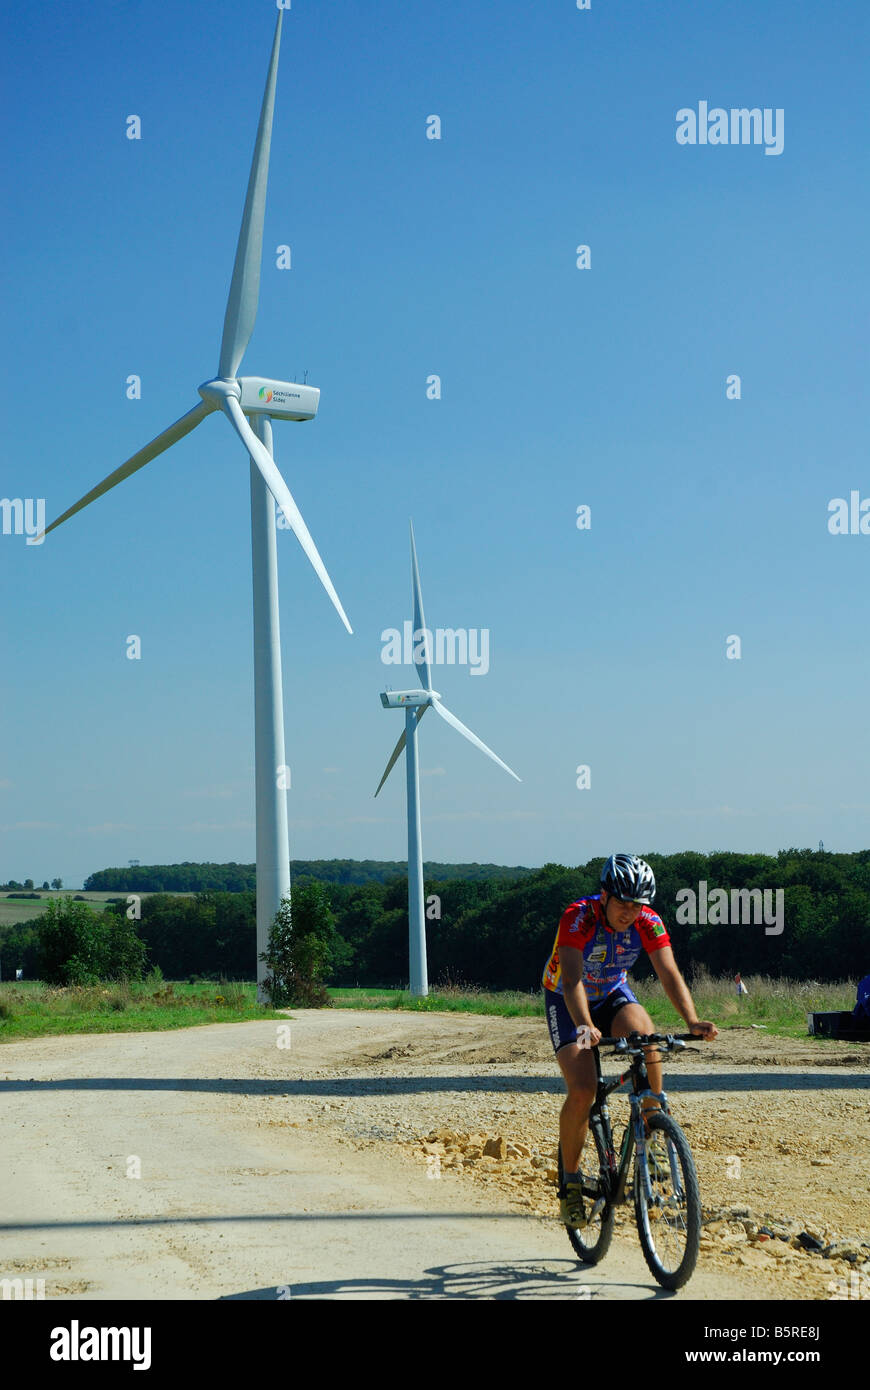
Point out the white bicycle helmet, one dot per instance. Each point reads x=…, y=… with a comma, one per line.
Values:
x=628, y=878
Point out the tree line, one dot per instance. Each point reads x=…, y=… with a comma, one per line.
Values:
x=237, y=878
x=497, y=933
x=56, y=883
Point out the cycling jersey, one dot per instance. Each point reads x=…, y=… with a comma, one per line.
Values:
x=607, y=954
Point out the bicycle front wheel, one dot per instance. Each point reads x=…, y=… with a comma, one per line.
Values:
x=591, y=1242
x=667, y=1203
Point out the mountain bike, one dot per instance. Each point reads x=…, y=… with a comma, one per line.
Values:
x=667, y=1204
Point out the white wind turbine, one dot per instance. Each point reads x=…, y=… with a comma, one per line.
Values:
x=263, y=399
x=415, y=704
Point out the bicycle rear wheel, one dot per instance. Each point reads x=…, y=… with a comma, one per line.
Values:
x=592, y=1242
x=669, y=1217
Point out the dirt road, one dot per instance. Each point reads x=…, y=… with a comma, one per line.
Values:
x=220, y=1162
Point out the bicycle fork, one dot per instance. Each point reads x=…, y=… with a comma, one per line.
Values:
x=636, y=1126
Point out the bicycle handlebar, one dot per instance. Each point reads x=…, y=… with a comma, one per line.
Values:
x=641, y=1040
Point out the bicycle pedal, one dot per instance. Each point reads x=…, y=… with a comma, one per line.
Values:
x=597, y=1208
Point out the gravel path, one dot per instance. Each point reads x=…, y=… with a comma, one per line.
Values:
x=346, y=1164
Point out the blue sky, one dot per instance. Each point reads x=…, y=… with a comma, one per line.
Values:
x=560, y=387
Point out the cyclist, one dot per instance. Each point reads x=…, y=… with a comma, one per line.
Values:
x=585, y=988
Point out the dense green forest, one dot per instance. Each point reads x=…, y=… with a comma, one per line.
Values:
x=497, y=931
x=236, y=878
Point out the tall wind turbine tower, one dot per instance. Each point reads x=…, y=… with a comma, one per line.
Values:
x=415, y=704
x=261, y=400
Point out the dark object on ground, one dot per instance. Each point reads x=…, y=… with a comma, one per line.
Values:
x=809, y=1242
x=839, y=1025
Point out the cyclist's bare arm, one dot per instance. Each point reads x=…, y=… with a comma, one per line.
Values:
x=571, y=962
x=677, y=991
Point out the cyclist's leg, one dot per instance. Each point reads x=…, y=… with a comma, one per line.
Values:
x=632, y=1017
x=578, y=1070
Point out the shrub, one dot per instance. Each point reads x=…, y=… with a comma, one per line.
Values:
x=304, y=948
x=77, y=970
x=79, y=947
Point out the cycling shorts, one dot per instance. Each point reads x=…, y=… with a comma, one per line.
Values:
x=562, y=1027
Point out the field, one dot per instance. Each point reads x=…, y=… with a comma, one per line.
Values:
x=30, y=1009
x=776, y=1006
x=14, y=910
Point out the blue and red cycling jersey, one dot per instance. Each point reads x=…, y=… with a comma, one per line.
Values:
x=607, y=954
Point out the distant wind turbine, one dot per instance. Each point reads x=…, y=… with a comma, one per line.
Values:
x=415, y=704
x=264, y=400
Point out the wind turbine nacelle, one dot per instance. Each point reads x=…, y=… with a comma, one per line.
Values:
x=283, y=400
x=403, y=699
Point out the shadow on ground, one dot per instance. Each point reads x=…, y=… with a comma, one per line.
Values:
x=521, y=1279
x=336, y=1087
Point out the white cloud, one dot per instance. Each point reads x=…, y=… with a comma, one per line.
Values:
x=221, y=792
x=485, y=815
x=681, y=811
x=107, y=828
x=32, y=825
x=199, y=826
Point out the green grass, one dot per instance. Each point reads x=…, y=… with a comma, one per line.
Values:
x=444, y=999
x=779, y=1006
x=29, y=1009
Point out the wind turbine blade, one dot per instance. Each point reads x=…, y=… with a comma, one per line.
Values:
x=472, y=738
x=282, y=495
x=245, y=287
x=423, y=670
x=157, y=446
x=397, y=751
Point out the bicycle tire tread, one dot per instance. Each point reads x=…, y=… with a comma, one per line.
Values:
x=674, y=1279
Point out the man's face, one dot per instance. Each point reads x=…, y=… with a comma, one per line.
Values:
x=619, y=915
